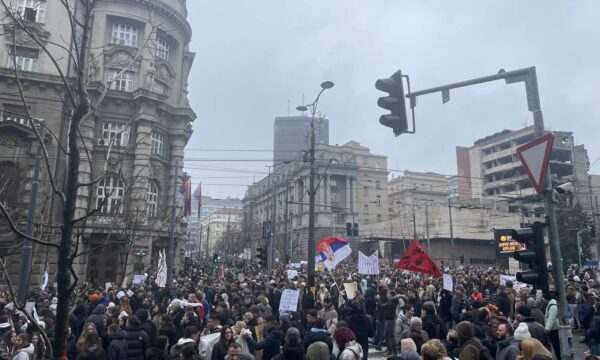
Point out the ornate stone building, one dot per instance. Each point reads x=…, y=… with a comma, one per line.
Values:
x=136, y=74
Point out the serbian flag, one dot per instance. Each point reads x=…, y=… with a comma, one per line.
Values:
x=331, y=251
x=186, y=192
x=416, y=259
x=198, y=195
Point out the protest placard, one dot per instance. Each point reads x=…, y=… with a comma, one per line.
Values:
x=138, y=279
x=448, y=282
x=289, y=300
x=351, y=289
x=292, y=274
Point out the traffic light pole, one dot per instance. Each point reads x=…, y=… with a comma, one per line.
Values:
x=529, y=77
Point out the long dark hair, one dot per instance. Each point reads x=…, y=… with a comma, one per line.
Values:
x=222, y=340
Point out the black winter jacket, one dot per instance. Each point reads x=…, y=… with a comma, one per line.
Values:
x=137, y=343
x=117, y=346
x=314, y=336
x=271, y=344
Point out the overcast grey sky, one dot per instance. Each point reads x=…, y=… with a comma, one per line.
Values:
x=254, y=56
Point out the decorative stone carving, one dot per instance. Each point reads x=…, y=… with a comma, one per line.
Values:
x=122, y=59
x=10, y=140
x=150, y=73
x=164, y=74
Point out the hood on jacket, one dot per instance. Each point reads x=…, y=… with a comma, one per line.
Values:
x=409, y=355
x=294, y=352
x=183, y=341
x=465, y=331
x=28, y=350
x=99, y=309
x=354, y=346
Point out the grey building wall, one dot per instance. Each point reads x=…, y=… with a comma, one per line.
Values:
x=291, y=136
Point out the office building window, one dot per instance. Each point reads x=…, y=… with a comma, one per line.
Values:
x=157, y=143
x=365, y=191
x=32, y=10
x=24, y=59
x=152, y=199
x=111, y=189
x=124, y=35
x=122, y=81
x=162, y=49
x=114, y=134
x=366, y=209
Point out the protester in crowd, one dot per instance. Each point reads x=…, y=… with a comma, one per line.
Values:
x=551, y=327
x=188, y=340
x=137, y=339
x=507, y=347
x=117, y=345
x=293, y=349
x=159, y=349
x=89, y=344
x=271, y=344
x=221, y=347
x=318, y=351
x=536, y=330
x=470, y=346
x=531, y=348
x=434, y=350
x=318, y=333
x=360, y=324
x=349, y=348
x=408, y=351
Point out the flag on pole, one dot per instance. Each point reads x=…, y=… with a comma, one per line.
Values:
x=198, y=194
x=368, y=265
x=44, y=282
x=331, y=251
x=186, y=192
x=417, y=260
x=161, y=273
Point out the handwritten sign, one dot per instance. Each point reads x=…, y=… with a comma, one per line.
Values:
x=289, y=300
x=138, y=279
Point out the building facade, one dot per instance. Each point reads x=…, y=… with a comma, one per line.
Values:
x=136, y=75
x=220, y=232
x=291, y=136
x=351, y=187
x=490, y=169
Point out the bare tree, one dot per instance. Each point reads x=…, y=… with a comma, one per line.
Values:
x=76, y=151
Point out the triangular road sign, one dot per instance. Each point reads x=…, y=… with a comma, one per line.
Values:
x=534, y=156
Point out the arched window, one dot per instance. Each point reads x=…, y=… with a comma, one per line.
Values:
x=110, y=187
x=152, y=199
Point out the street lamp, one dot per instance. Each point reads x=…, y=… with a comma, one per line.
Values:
x=311, y=187
x=139, y=265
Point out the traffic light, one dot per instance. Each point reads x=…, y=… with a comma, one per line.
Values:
x=349, y=229
x=395, y=102
x=461, y=259
x=534, y=256
x=355, y=230
x=262, y=256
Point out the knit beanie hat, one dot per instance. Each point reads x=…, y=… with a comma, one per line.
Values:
x=317, y=351
x=522, y=332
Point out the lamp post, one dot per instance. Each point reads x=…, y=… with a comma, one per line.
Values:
x=311, y=191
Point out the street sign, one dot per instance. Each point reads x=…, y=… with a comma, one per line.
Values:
x=534, y=156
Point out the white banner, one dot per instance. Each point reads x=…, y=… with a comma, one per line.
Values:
x=161, y=274
x=351, y=289
x=368, y=265
x=516, y=285
x=289, y=300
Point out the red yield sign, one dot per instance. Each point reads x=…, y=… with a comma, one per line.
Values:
x=534, y=156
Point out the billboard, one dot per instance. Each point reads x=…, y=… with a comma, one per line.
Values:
x=506, y=245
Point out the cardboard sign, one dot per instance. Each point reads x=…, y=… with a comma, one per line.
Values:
x=448, y=282
x=516, y=285
x=138, y=279
x=289, y=300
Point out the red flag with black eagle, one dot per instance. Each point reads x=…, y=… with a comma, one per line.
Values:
x=417, y=260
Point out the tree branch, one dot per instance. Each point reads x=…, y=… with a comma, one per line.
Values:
x=14, y=228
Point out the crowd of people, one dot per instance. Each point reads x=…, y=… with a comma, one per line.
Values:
x=231, y=311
